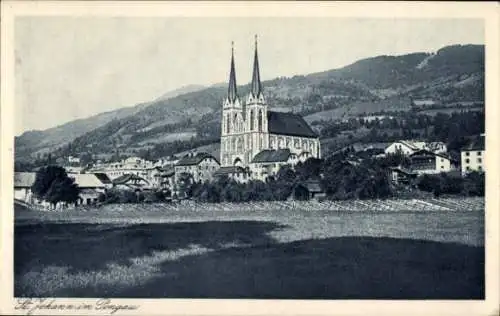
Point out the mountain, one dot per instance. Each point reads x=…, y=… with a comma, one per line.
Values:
x=190, y=116
x=182, y=90
x=49, y=139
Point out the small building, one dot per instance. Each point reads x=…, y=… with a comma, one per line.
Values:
x=472, y=156
x=427, y=162
x=132, y=165
x=106, y=181
x=310, y=189
x=268, y=162
x=424, y=103
x=167, y=177
x=200, y=166
x=170, y=161
x=131, y=182
x=22, y=186
x=400, y=175
x=408, y=147
x=73, y=160
x=371, y=118
x=90, y=187
x=237, y=173
x=73, y=170
x=404, y=147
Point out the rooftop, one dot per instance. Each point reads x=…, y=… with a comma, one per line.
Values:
x=285, y=123
x=475, y=144
x=127, y=178
x=189, y=160
x=313, y=186
x=24, y=179
x=229, y=170
x=269, y=155
x=87, y=180
x=103, y=177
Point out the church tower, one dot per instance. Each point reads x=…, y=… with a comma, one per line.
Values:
x=256, y=137
x=233, y=125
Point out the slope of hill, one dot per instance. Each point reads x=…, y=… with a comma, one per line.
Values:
x=49, y=139
x=453, y=73
x=182, y=90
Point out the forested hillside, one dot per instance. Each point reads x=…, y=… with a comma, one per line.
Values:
x=384, y=83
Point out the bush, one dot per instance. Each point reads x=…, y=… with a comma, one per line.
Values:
x=120, y=196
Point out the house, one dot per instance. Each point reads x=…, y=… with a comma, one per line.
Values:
x=71, y=169
x=74, y=160
x=131, y=182
x=371, y=118
x=408, y=147
x=405, y=147
x=170, y=161
x=106, y=181
x=310, y=189
x=237, y=173
x=90, y=187
x=22, y=186
x=132, y=165
x=167, y=177
x=399, y=175
x=421, y=104
x=472, y=156
x=437, y=147
x=89, y=184
x=427, y=162
x=268, y=162
x=200, y=166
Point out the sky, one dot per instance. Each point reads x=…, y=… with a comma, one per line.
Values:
x=68, y=68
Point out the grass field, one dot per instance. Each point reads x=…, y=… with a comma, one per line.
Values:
x=154, y=251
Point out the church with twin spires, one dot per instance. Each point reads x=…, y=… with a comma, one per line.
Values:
x=251, y=131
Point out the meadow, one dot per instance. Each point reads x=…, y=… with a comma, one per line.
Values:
x=394, y=249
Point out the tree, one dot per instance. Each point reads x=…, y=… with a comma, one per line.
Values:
x=310, y=169
x=53, y=185
x=185, y=182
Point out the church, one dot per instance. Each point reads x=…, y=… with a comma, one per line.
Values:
x=250, y=130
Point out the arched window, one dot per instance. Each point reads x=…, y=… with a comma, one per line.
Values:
x=260, y=120
x=251, y=120
x=235, y=123
x=240, y=144
x=227, y=123
x=224, y=124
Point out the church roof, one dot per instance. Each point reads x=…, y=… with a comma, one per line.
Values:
x=270, y=155
x=289, y=124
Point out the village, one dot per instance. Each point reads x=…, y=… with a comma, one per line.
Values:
x=137, y=175
x=258, y=145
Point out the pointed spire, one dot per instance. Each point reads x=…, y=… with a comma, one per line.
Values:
x=256, y=85
x=232, y=93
